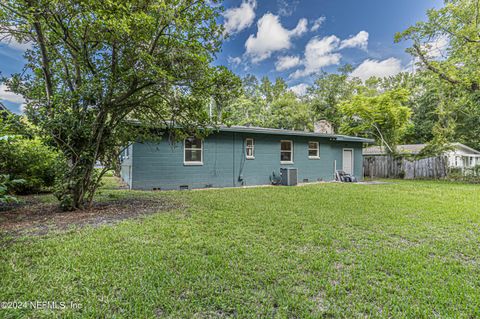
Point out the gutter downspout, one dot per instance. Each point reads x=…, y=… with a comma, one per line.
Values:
x=131, y=170
x=335, y=170
x=233, y=162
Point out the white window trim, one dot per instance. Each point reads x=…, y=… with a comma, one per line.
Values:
x=318, y=150
x=253, y=148
x=291, y=151
x=197, y=163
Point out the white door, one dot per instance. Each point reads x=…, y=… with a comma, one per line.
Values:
x=348, y=161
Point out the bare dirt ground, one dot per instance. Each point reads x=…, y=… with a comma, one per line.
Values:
x=36, y=218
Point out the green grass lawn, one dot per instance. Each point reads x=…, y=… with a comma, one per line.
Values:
x=405, y=249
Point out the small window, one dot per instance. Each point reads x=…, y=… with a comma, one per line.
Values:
x=286, y=152
x=249, y=148
x=193, y=151
x=313, y=150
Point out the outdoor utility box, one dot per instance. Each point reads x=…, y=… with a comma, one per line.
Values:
x=289, y=176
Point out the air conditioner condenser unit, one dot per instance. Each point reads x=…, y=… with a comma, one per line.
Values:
x=289, y=176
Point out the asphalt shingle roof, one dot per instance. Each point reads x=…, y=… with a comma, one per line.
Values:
x=413, y=149
x=263, y=130
x=401, y=149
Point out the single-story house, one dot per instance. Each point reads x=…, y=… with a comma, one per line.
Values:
x=460, y=155
x=240, y=156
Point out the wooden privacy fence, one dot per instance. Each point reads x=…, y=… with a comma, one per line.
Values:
x=390, y=167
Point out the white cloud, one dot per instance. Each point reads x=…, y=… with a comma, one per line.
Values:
x=319, y=53
x=235, y=61
x=9, y=96
x=437, y=47
x=287, y=62
x=14, y=44
x=385, y=68
x=301, y=28
x=271, y=36
x=299, y=89
x=359, y=41
x=237, y=19
x=317, y=24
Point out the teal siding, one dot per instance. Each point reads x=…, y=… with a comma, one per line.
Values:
x=161, y=165
x=358, y=161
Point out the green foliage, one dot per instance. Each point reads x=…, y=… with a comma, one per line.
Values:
x=328, y=92
x=448, y=48
x=12, y=124
x=227, y=87
x=456, y=23
x=384, y=117
x=288, y=112
x=7, y=185
x=267, y=104
x=30, y=160
x=425, y=99
x=95, y=65
x=466, y=175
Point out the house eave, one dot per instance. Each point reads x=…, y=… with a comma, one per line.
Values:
x=273, y=131
x=467, y=148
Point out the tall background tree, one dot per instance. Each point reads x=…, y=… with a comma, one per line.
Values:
x=95, y=65
x=447, y=46
x=328, y=91
x=386, y=117
x=269, y=104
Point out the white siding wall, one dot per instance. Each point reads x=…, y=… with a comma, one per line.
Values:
x=461, y=159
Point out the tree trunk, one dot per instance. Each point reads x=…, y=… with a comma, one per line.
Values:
x=117, y=167
x=79, y=178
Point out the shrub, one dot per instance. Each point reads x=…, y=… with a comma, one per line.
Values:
x=455, y=173
x=468, y=175
x=6, y=186
x=30, y=160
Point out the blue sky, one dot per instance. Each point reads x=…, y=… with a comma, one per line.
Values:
x=296, y=39
x=321, y=35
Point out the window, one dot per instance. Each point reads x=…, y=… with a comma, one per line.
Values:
x=193, y=151
x=313, y=150
x=286, y=152
x=249, y=148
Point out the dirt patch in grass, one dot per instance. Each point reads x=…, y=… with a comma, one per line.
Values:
x=37, y=218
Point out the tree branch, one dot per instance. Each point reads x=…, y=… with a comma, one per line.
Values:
x=432, y=68
x=45, y=59
x=133, y=89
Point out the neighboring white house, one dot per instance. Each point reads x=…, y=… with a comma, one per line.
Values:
x=460, y=156
x=463, y=156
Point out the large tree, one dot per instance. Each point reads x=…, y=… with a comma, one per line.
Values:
x=94, y=66
x=328, y=91
x=447, y=45
x=385, y=117
x=289, y=112
x=268, y=104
